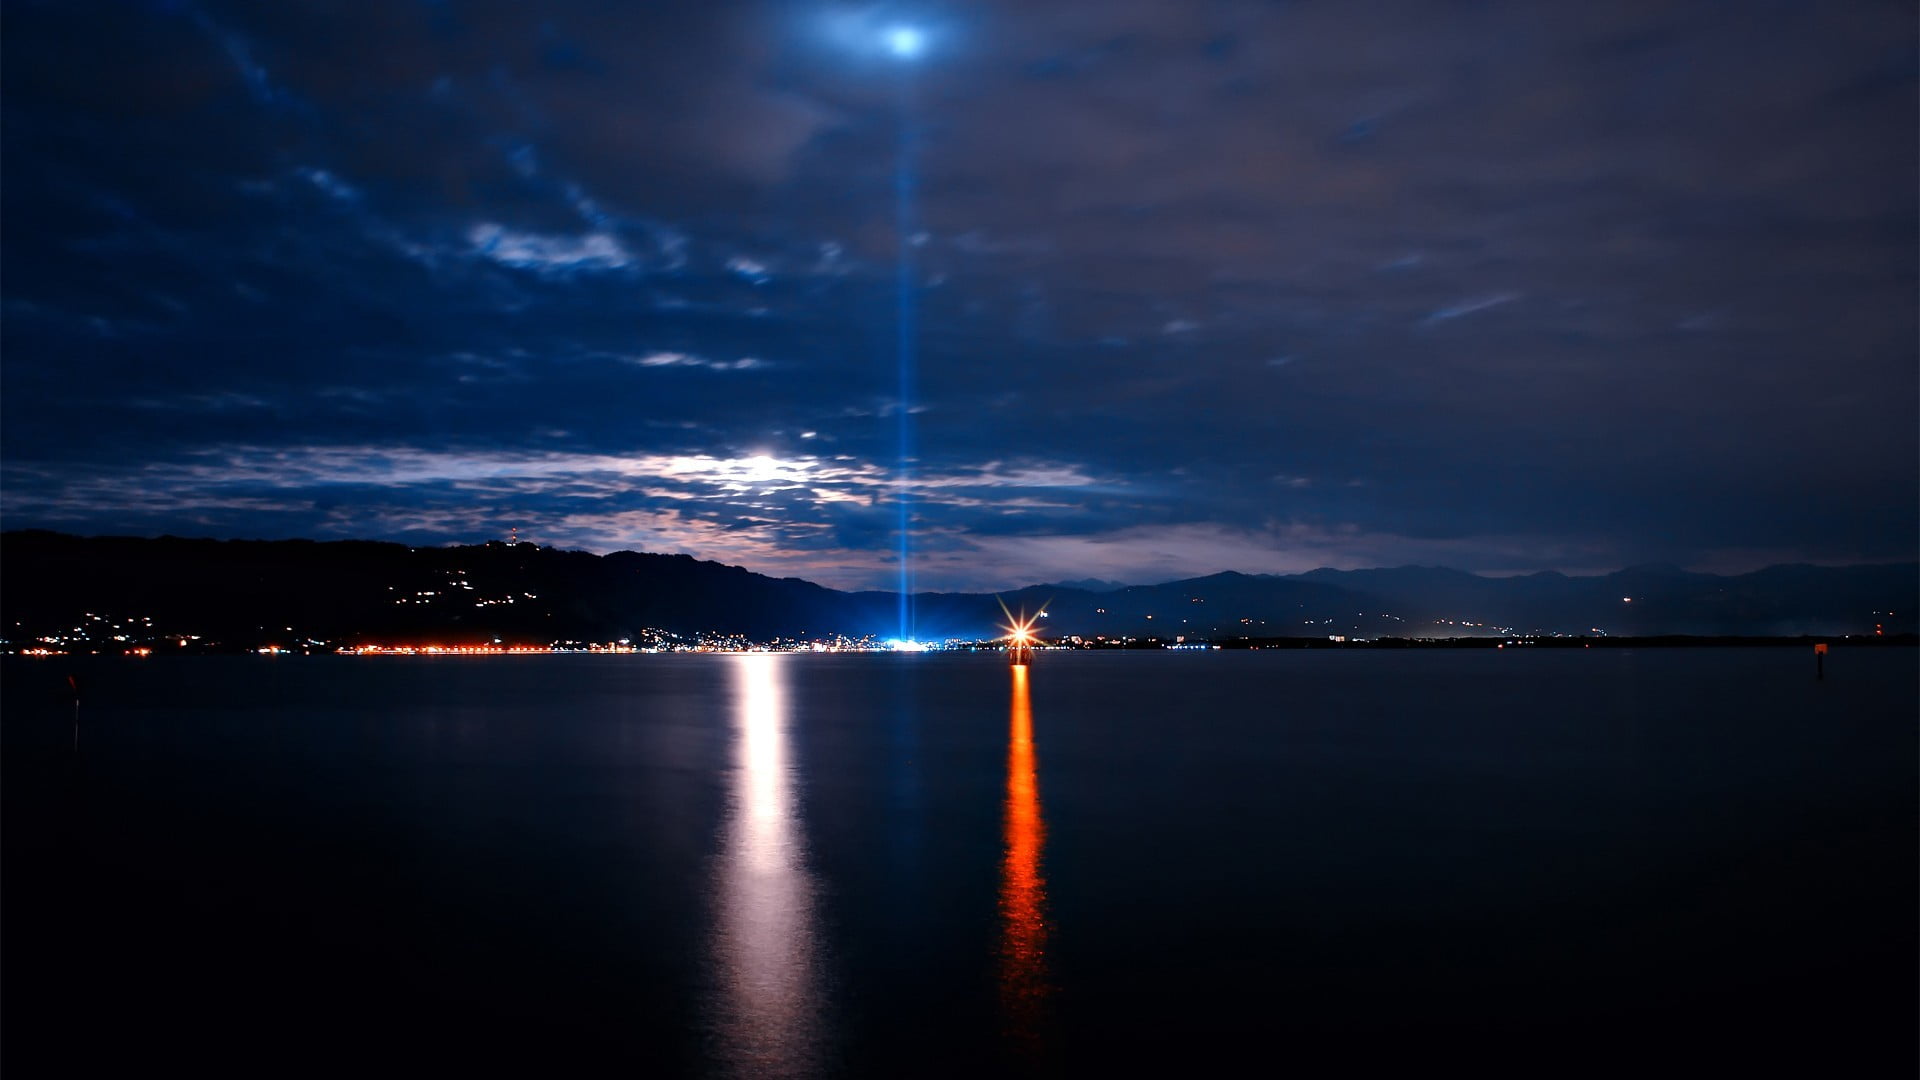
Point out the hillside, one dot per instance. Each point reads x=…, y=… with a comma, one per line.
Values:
x=243, y=593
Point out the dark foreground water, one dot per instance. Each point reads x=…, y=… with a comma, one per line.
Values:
x=1522, y=863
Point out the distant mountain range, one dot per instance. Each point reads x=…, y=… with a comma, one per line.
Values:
x=245, y=592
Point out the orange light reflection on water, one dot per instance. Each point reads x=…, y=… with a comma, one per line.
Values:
x=1024, y=983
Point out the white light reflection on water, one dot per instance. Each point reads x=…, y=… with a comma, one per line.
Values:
x=764, y=939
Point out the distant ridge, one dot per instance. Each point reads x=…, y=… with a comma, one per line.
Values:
x=1086, y=585
x=243, y=590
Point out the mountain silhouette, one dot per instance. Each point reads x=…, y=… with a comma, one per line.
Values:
x=243, y=593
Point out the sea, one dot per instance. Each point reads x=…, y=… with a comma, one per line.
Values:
x=1523, y=862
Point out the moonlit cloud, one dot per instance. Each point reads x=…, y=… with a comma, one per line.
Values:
x=797, y=505
x=332, y=185
x=548, y=253
x=675, y=359
x=749, y=269
x=1468, y=307
x=259, y=81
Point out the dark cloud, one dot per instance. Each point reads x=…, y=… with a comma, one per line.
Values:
x=1261, y=286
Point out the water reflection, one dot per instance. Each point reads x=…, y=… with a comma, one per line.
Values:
x=764, y=940
x=1023, y=891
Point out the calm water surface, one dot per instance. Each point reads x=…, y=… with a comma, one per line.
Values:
x=1539, y=863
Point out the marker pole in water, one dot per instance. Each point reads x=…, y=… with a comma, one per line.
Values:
x=73, y=683
x=1820, y=660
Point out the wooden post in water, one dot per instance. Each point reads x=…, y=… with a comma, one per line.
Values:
x=1820, y=660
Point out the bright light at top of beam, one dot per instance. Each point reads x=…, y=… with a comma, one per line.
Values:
x=905, y=42
x=899, y=36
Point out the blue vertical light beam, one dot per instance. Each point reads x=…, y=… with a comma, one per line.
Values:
x=904, y=299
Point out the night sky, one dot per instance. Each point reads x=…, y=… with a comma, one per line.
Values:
x=1201, y=286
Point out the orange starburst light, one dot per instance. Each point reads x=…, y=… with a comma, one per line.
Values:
x=1019, y=628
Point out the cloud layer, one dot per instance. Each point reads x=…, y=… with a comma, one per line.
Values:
x=1231, y=285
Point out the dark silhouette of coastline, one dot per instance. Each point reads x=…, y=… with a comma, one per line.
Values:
x=241, y=595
